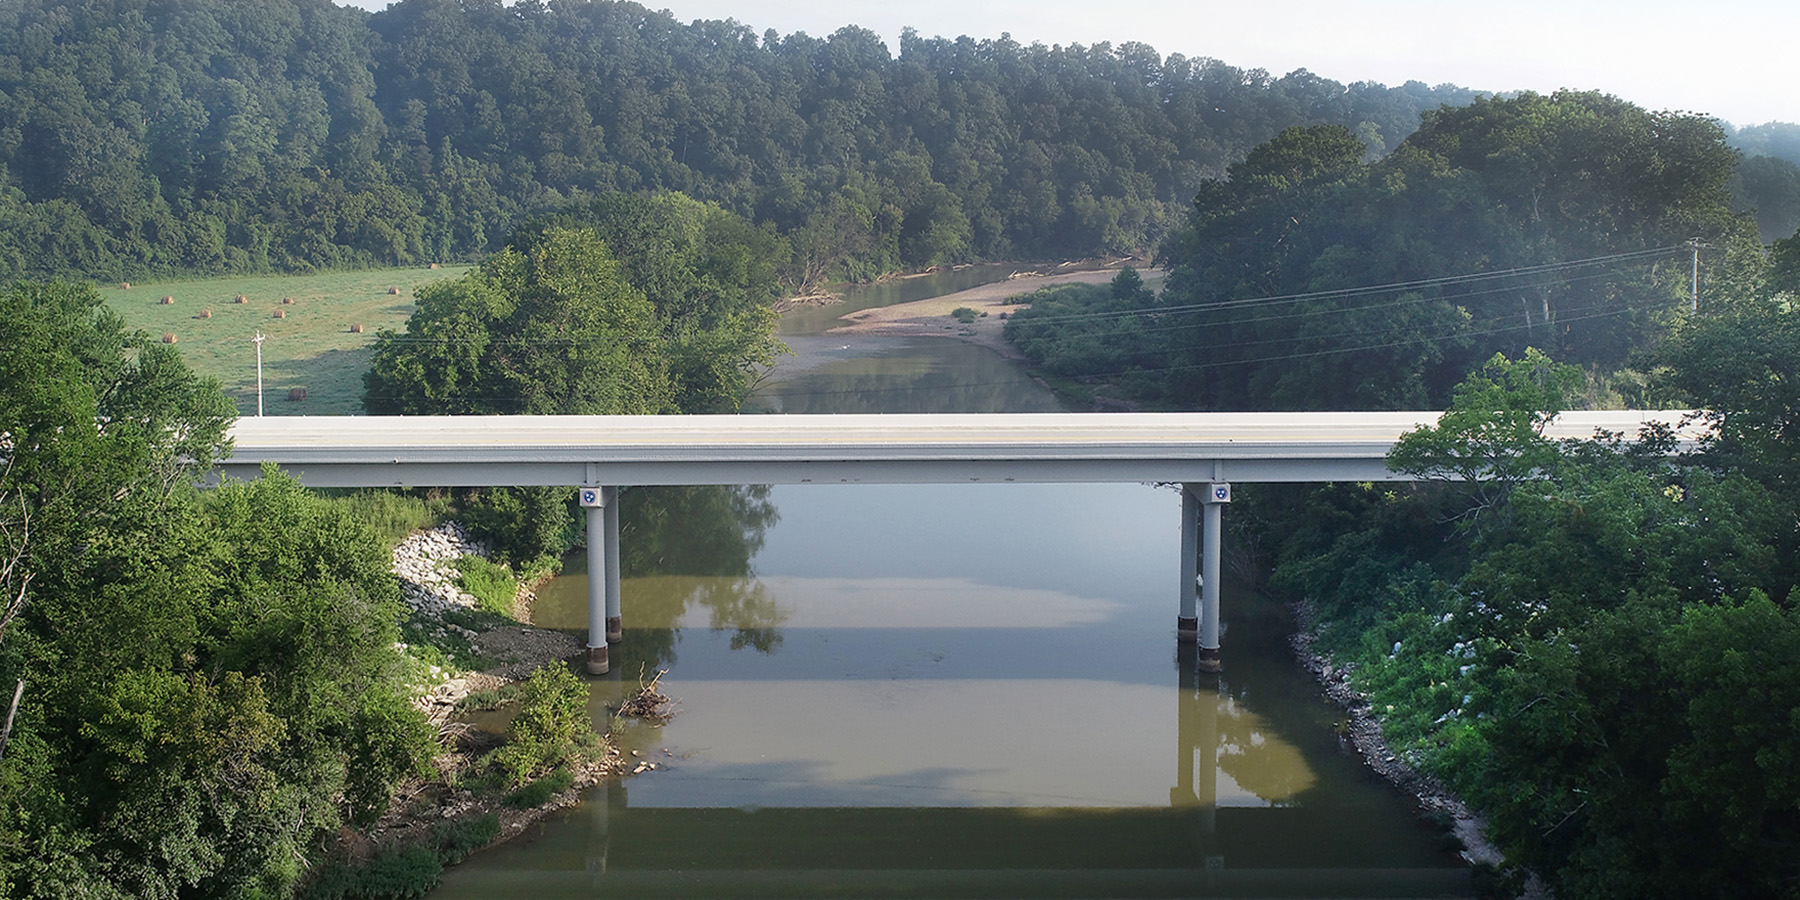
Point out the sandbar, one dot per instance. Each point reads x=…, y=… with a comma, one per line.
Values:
x=931, y=317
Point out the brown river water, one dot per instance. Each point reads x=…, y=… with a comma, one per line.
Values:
x=949, y=691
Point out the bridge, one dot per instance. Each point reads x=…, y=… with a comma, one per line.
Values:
x=1203, y=452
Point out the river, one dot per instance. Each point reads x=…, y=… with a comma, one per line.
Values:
x=935, y=691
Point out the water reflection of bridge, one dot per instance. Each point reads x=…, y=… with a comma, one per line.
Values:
x=1201, y=451
x=1191, y=848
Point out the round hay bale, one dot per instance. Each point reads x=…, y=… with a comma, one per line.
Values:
x=166, y=300
x=241, y=299
x=434, y=265
x=281, y=314
x=356, y=328
x=168, y=337
x=296, y=394
x=124, y=285
x=287, y=301
x=393, y=292
x=206, y=314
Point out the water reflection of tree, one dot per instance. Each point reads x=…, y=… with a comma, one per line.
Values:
x=688, y=546
x=1218, y=731
x=1257, y=756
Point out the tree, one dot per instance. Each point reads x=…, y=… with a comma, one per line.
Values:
x=711, y=275
x=548, y=327
x=1492, y=436
x=1311, y=280
x=213, y=683
x=1738, y=364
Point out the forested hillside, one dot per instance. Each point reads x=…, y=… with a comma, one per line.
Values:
x=174, y=136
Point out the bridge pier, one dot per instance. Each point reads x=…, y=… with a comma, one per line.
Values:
x=1202, y=516
x=1187, y=622
x=604, y=620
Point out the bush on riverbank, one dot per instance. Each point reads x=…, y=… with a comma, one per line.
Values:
x=549, y=728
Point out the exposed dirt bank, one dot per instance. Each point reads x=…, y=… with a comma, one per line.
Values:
x=931, y=317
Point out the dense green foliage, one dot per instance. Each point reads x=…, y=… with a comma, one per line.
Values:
x=1768, y=180
x=551, y=327
x=211, y=681
x=1770, y=189
x=1313, y=279
x=1780, y=140
x=181, y=136
x=552, y=718
x=622, y=305
x=1596, y=648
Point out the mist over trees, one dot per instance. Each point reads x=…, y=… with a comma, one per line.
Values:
x=1311, y=278
x=156, y=136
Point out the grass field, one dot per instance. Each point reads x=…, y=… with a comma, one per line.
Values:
x=312, y=346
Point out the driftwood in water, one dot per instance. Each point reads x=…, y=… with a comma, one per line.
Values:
x=648, y=703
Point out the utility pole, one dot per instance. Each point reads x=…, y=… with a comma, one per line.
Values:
x=1695, y=302
x=258, y=342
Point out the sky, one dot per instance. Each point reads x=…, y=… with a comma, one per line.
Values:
x=1734, y=59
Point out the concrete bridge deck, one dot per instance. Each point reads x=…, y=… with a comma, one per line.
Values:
x=483, y=451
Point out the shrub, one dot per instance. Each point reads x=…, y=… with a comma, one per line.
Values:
x=400, y=873
x=395, y=514
x=551, y=715
x=540, y=791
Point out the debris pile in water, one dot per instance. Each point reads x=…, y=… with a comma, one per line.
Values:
x=648, y=703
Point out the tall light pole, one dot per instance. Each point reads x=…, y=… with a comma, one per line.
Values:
x=258, y=342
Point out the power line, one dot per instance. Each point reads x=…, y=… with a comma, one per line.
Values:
x=1337, y=293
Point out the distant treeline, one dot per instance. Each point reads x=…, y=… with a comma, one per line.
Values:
x=1768, y=179
x=204, y=136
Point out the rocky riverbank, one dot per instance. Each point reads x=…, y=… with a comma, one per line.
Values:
x=425, y=563
x=456, y=795
x=1362, y=730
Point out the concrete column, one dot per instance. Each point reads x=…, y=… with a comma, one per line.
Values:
x=1187, y=622
x=1218, y=494
x=615, y=629
x=593, y=501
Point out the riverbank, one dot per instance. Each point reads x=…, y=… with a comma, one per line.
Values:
x=461, y=806
x=1362, y=732
x=933, y=317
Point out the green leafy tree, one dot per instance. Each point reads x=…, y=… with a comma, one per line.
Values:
x=1492, y=436
x=552, y=716
x=550, y=327
x=1313, y=280
x=711, y=277
x=212, y=680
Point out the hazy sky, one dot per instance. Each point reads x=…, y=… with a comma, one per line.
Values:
x=1735, y=59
